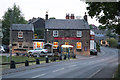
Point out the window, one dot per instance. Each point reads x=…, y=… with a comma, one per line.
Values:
x=20, y=34
x=20, y=45
x=79, y=45
x=38, y=44
x=66, y=43
x=85, y=49
x=79, y=33
x=38, y=49
x=55, y=45
x=92, y=37
x=55, y=33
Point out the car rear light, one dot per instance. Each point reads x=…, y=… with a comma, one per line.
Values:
x=45, y=50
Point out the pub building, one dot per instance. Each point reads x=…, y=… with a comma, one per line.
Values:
x=68, y=35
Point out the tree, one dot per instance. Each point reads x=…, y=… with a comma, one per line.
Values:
x=107, y=13
x=39, y=33
x=15, y=15
x=111, y=34
x=112, y=42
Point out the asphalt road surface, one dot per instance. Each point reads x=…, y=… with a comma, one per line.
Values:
x=101, y=66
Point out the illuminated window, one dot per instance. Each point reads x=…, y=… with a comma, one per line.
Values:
x=79, y=45
x=55, y=45
x=20, y=34
x=38, y=44
x=66, y=43
x=55, y=33
x=20, y=45
x=79, y=33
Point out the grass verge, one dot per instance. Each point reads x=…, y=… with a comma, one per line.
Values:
x=117, y=73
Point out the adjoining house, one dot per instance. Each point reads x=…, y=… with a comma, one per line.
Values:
x=68, y=33
x=99, y=35
x=39, y=27
x=22, y=35
x=92, y=40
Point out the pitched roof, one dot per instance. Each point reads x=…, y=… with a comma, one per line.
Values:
x=28, y=27
x=66, y=24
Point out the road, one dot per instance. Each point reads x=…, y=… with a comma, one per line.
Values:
x=101, y=66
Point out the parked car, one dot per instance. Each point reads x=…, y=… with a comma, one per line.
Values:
x=42, y=54
x=6, y=48
x=93, y=52
x=38, y=50
x=2, y=49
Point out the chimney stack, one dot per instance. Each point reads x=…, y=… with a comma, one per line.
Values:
x=85, y=17
x=67, y=16
x=46, y=16
x=72, y=16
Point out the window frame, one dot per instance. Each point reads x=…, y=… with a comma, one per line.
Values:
x=79, y=33
x=55, y=33
x=19, y=45
x=20, y=34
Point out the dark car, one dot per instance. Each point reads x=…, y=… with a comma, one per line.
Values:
x=93, y=52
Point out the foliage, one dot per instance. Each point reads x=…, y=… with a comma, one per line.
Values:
x=20, y=58
x=40, y=33
x=110, y=34
x=14, y=16
x=107, y=13
x=112, y=42
x=101, y=27
x=97, y=47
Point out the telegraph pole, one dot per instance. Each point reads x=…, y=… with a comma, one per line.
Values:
x=10, y=45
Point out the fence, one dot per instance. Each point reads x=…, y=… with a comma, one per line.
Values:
x=47, y=60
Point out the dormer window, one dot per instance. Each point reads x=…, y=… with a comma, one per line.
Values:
x=55, y=33
x=20, y=34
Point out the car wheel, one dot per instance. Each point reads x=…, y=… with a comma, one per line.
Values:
x=42, y=52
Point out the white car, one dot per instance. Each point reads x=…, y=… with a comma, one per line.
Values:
x=2, y=49
x=38, y=50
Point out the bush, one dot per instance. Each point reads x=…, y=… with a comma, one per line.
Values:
x=112, y=42
x=97, y=47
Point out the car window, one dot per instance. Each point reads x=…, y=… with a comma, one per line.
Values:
x=38, y=49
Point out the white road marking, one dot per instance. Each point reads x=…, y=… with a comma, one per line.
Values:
x=73, y=66
x=58, y=70
x=95, y=73
x=92, y=56
x=38, y=75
